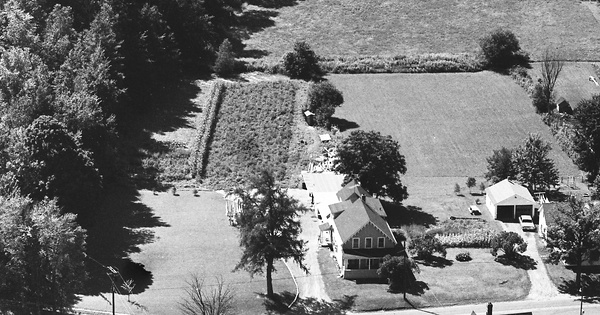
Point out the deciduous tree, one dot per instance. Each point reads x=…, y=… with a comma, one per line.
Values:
x=203, y=300
x=42, y=256
x=575, y=234
x=552, y=65
x=500, y=166
x=269, y=228
x=510, y=243
x=500, y=48
x=471, y=182
x=376, y=162
x=302, y=63
x=587, y=137
x=399, y=271
x=534, y=168
x=323, y=98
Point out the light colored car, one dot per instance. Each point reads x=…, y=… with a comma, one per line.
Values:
x=474, y=210
x=526, y=223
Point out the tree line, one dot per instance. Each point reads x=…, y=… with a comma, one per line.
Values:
x=73, y=75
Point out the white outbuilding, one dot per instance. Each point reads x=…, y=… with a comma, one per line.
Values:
x=507, y=201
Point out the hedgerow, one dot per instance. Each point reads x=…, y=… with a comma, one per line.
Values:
x=253, y=130
x=428, y=63
x=205, y=128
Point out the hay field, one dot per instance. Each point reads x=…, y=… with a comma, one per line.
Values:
x=383, y=27
x=447, y=124
x=573, y=82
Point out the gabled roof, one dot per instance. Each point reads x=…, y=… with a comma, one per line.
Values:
x=506, y=192
x=352, y=190
x=355, y=216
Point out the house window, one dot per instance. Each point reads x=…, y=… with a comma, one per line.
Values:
x=368, y=242
x=352, y=264
x=364, y=264
x=355, y=243
x=380, y=242
x=375, y=263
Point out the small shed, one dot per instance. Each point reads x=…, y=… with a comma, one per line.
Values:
x=507, y=201
x=310, y=117
x=325, y=137
x=562, y=106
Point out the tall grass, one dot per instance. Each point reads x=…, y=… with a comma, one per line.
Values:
x=253, y=130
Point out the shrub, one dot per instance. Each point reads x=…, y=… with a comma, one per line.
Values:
x=510, y=243
x=540, y=100
x=500, y=48
x=463, y=256
x=323, y=98
x=224, y=65
x=423, y=246
x=302, y=63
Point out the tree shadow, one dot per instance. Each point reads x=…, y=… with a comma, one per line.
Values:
x=435, y=261
x=273, y=4
x=399, y=215
x=304, y=306
x=118, y=228
x=590, y=287
x=343, y=124
x=253, y=53
x=416, y=288
x=518, y=261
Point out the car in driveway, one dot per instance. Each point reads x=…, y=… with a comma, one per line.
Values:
x=526, y=223
x=474, y=210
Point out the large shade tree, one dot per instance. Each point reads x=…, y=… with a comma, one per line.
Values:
x=375, y=161
x=587, y=137
x=41, y=256
x=500, y=166
x=534, y=168
x=269, y=228
x=399, y=271
x=575, y=234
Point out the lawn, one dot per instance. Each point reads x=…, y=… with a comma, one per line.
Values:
x=382, y=27
x=453, y=283
x=195, y=238
x=447, y=124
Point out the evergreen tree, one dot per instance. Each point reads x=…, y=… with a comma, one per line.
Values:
x=269, y=228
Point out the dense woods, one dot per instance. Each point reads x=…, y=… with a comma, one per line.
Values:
x=74, y=76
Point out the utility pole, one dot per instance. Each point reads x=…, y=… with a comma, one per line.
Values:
x=112, y=285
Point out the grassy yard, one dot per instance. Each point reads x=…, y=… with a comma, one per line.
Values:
x=453, y=283
x=447, y=124
x=195, y=238
x=381, y=27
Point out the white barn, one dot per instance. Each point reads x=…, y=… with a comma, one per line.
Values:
x=507, y=201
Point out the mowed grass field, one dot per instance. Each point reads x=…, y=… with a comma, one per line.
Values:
x=446, y=124
x=383, y=27
x=573, y=82
x=197, y=240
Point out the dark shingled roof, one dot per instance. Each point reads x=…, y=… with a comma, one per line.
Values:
x=352, y=190
x=355, y=216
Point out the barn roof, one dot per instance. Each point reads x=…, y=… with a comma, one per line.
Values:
x=561, y=100
x=509, y=193
x=322, y=182
x=355, y=216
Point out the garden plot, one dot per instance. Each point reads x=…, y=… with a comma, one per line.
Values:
x=447, y=124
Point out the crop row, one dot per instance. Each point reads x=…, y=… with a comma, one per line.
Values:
x=253, y=130
x=472, y=239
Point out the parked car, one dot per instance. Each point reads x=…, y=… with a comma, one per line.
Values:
x=526, y=223
x=474, y=210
